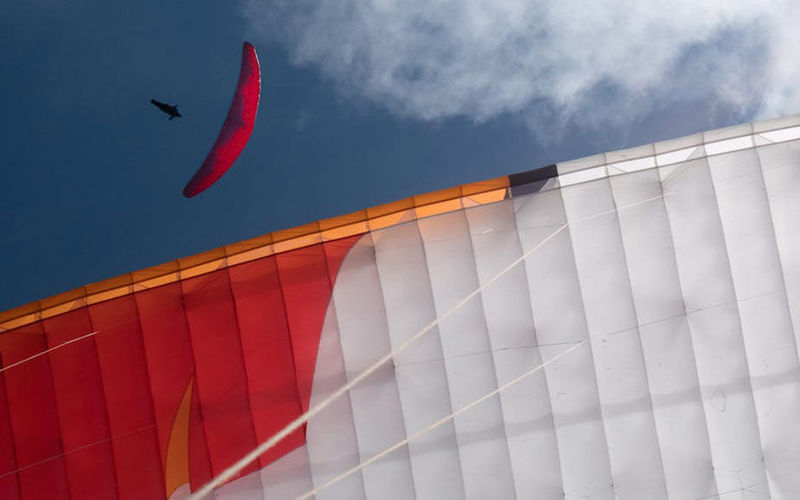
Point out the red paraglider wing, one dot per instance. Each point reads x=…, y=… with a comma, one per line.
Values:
x=237, y=127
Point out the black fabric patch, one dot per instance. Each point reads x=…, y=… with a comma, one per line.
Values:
x=531, y=181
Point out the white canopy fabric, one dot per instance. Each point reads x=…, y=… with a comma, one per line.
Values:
x=678, y=266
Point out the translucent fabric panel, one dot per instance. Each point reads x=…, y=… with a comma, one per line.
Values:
x=664, y=334
x=763, y=308
x=289, y=476
x=420, y=370
x=779, y=167
x=630, y=154
x=480, y=433
x=704, y=270
x=248, y=487
x=728, y=132
x=775, y=123
x=331, y=441
x=782, y=183
x=652, y=266
x=559, y=319
x=719, y=147
x=377, y=412
x=528, y=419
x=566, y=167
x=619, y=363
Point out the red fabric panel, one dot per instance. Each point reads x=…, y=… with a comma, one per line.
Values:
x=307, y=291
x=33, y=415
x=336, y=251
x=248, y=337
x=81, y=407
x=220, y=377
x=199, y=461
x=274, y=400
x=9, y=485
x=169, y=361
x=127, y=394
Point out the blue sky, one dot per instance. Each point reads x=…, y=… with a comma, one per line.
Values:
x=362, y=104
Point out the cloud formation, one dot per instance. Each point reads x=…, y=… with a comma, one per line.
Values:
x=547, y=61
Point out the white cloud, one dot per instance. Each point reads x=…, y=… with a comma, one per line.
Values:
x=549, y=61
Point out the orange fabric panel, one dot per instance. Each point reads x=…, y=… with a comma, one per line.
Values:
x=483, y=186
x=155, y=271
x=251, y=255
x=489, y=196
x=205, y=268
x=63, y=298
x=295, y=232
x=390, y=208
x=17, y=312
x=252, y=243
x=342, y=220
x=345, y=231
x=201, y=258
x=176, y=465
x=108, y=295
x=392, y=219
x=437, y=196
x=109, y=284
x=298, y=242
x=439, y=208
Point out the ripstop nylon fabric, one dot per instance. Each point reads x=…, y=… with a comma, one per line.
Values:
x=691, y=392
x=681, y=280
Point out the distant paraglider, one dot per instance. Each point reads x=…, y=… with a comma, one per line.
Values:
x=237, y=127
x=172, y=111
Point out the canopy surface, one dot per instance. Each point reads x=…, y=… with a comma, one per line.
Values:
x=672, y=270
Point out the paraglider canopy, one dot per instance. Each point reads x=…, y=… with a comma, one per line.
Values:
x=622, y=325
x=237, y=127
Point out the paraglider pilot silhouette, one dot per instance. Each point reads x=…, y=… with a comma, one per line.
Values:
x=172, y=111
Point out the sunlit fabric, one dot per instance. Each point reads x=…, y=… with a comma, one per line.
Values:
x=179, y=380
x=237, y=127
x=678, y=263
